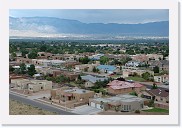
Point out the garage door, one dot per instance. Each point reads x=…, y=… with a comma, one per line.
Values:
x=98, y=106
x=92, y=104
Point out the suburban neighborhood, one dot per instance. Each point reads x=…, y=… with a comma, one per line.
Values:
x=90, y=78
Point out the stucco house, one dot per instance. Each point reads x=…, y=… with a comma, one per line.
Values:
x=72, y=97
x=162, y=79
x=120, y=87
x=31, y=85
x=108, y=69
x=91, y=80
x=125, y=103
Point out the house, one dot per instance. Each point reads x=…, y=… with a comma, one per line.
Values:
x=70, y=64
x=125, y=103
x=18, y=54
x=140, y=58
x=71, y=75
x=162, y=79
x=96, y=57
x=155, y=56
x=31, y=85
x=23, y=60
x=91, y=80
x=44, y=55
x=108, y=69
x=83, y=67
x=121, y=87
x=162, y=64
x=116, y=57
x=129, y=72
x=159, y=95
x=133, y=64
x=71, y=97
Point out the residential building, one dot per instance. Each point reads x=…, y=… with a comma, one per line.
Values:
x=71, y=97
x=140, y=58
x=125, y=103
x=133, y=64
x=91, y=80
x=162, y=78
x=31, y=85
x=87, y=67
x=70, y=75
x=129, y=72
x=155, y=56
x=108, y=69
x=121, y=87
x=159, y=95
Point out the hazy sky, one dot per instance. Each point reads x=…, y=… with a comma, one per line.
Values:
x=98, y=15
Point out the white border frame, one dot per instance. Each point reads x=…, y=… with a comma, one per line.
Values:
x=171, y=119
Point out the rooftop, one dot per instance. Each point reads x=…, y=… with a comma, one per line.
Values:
x=116, y=84
x=93, y=79
x=107, y=67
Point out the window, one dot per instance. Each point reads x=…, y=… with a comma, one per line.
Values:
x=129, y=107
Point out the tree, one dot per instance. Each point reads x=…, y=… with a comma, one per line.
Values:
x=156, y=69
x=32, y=55
x=154, y=86
x=22, y=68
x=146, y=75
x=94, y=69
x=31, y=70
x=104, y=60
x=79, y=78
x=84, y=60
x=43, y=48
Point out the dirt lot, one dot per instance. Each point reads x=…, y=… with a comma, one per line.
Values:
x=18, y=108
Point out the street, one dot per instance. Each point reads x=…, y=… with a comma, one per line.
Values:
x=38, y=104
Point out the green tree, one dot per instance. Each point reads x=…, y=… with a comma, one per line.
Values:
x=104, y=60
x=43, y=48
x=84, y=60
x=156, y=69
x=32, y=55
x=11, y=69
x=154, y=86
x=146, y=75
x=31, y=70
x=22, y=68
x=79, y=77
x=94, y=69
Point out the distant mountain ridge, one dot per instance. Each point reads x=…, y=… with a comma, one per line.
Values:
x=51, y=25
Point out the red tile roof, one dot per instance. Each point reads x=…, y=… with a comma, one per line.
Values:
x=116, y=84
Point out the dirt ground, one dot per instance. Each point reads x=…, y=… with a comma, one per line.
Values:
x=18, y=108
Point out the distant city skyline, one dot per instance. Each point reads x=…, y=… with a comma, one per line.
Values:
x=126, y=16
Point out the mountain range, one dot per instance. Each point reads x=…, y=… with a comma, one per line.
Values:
x=50, y=26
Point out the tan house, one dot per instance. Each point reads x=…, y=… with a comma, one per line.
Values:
x=70, y=75
x=72, y=96
x=82, y=67
x=162, y=79
x=31, y=85
x=125, y=103
x=128, y=72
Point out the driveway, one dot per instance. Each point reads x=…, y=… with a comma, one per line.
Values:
x=86, y=110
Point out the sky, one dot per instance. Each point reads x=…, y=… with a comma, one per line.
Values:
x=126, y=16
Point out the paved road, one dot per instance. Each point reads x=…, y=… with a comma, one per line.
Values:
x=38, y=104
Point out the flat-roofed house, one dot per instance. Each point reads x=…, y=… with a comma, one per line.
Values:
x=125, y=103
x=91, y=80
x=72, y=96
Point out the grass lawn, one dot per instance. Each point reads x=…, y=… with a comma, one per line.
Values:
x=157, y=110
x=135, y=78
